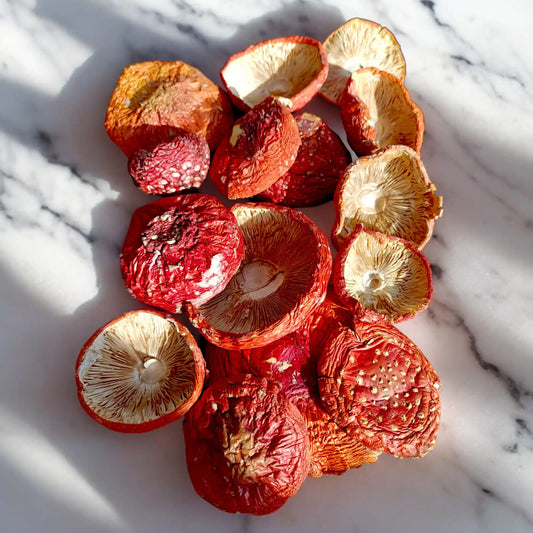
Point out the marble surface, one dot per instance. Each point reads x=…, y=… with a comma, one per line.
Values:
x=66, y=200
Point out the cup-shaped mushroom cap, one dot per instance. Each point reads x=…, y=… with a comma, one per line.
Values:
x=381, y=277
x=380, y=387
x=180, y=249
x=155, y=99
x=389, y=192
x=290, y=68
x=377, y=111
x=139, y=372
x=260, y=148
x=281, y=280
x=359, y=43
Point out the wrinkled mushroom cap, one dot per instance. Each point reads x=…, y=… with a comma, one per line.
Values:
x=281, y=280
x=139, y=372
x=382, y=277
x=380, y=387
x=155, y=99
x=246, y=446
x=389, y=192
x=290, y=68
x=359, y=43
x=377, y=111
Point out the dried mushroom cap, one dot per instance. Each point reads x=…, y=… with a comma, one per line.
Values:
x=380, y=387
x=320, y=161
x=290, y=68
x=139, y=372
x=359, y=43
x=180, y=249
x=389, y=192
x=377, y=112
x=172, y=166
x=281, y=280
x=260, y=148
x=246, y=446
x=154, y=100
x=289, y=363
x=382, y=277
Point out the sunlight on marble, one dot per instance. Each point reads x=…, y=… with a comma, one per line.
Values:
x=33, y=457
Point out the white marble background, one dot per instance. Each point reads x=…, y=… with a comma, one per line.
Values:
x=66, y=200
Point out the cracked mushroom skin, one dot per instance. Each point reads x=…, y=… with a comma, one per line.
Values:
x=139, y=372
x=260, y=148
x=380, y=387
x=314, y=175
x=389, y=192
x=381, y=278
x=180, y=249
x=155, y=100
x=288, y=362
x=290, y=68
x=246, y=446
x=356, y=44
x=377, y=111
x=281, y=280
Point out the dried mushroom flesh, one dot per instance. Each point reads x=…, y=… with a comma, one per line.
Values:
x=381, y=388
x=246, y=446
x=289, y=363
x=319, y=163
x=281, y=280
x=290, y=68
x=180, y=249
x=381, y=277
x=377, y=112
x=389, y=192
x=139, y=372
x=260, y=148
x=170, y=167
x=154, y=100
x=359, y=43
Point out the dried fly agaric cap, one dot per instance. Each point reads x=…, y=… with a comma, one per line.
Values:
x=171, y=166
x=381, y=277
x=260, y=148
x=379, y=386
x=139, y=372
x=290, y=68
x=180, y=249
x=377, y=112
x=155, y=99
x=359, y=43
x=246, y=446
x=282, y=279
x=314, y=175
x=289, y=363
x=389, y=192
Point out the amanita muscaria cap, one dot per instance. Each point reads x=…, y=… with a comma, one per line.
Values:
x=289, y=363
x=260, y=148
x=359, y=43
x=180, y=249
x=281, y=280
x=155, y=99
x=379, y=386
x=314, y=175
x=139, y=372
x=377, y=111
x=389, y=192
x=381, y=278
x=246, y=446
x=290, y=68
